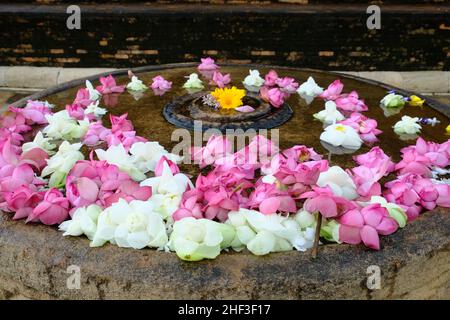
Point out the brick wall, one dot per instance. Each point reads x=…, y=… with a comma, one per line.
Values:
x=319, y=35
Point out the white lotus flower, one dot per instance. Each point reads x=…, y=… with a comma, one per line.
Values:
x=309, y=90
x=94, y=94
x=262, y=234
x=339, y=182
x=166, y=204
x=84, y=221
x=341, y=135
x=193, y=82
x=95, y=109
x=131, y=225
x=40, y=142
x=392, y=100
x=168, y=183
x=62, y=126
x=119, y=156
x=136, y=84
x=59, y=165
x=305, y=219
x=197, y=239
x=145, y=155
x=407, y=125
x=253, y=79
x=330, y=115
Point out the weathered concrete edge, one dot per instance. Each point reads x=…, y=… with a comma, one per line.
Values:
x=45, y=77
x=414, y=264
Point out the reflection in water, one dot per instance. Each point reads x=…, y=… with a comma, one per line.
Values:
x=301, y=129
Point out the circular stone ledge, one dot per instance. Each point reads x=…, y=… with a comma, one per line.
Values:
x=414, y=263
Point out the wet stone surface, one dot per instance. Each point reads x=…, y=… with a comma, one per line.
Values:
x=414, y=262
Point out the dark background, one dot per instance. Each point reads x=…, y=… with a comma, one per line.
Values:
x=330, y=35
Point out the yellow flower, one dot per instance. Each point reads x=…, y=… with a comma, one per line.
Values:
x=229, y=98
x=415, y=101
x=447, y=130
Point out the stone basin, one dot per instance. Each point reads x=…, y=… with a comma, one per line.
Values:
x=414, y=262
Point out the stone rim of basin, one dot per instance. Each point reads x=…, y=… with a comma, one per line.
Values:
x=268, y=272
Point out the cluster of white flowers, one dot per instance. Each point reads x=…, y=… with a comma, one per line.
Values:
x=262, y=234
x=407, y=125
x=142, y=158
x=309, y=90
x=136, y=84
x=145, y=155
x=167, y=190
x=62, y=127
x=339, y=135
x=253, y=81
x=193, y=82
x=59, y=165
x=330, y=115
x=41, y=142
x=95, y=109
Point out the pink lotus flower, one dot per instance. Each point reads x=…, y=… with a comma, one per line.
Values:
x=366, y=180
x=333, y=91
x=96, y=133
x=14, y=121
x=76, y=111
x=34, y=112
x=126, y=138
x=365, y=226
x=271, y=78
x=108, y=85
x=190, y=205
x=375, y=158
x=161, y=84
x=301, y=153
x=122, y=132
x=11, y=159
x=160, y=166
x=121, y=123
x=97, y=182
x=128, y=190
x=216, y=147
x=83, y=97
x=324, y=201
x=23, y=200
x=220, y=80
x=268, y=199
x=207, y=64
x=438, y=155
x=15, y=139
x=414, y=163
x=351, y=102
x=274, y=96
x=53, y=209
x=366, y=128
x=287, y=84
x=443, y=199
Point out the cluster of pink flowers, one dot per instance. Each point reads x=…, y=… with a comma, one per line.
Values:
x=97, y=182
x=365, y=127
x=109, y=85
x=276, y=90
x=344, y=101
x=220, y=80
x=160, y=85
x=121, y=132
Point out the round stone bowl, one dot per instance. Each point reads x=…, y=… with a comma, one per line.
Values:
x=36, y=261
